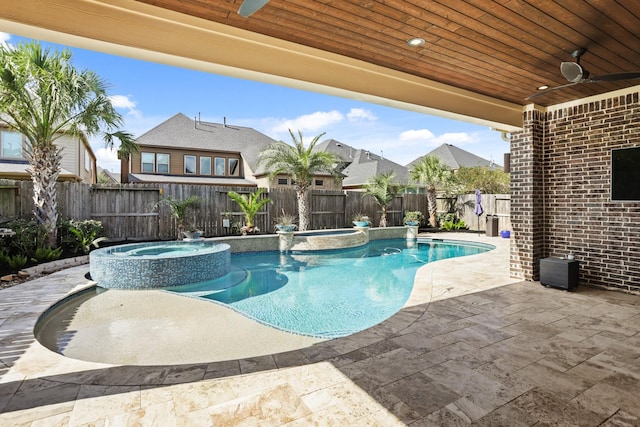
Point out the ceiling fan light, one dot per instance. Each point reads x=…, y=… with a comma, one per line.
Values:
x=572, y=71
x=416, y=41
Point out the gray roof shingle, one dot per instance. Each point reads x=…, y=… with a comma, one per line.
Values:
x=182, y=132
x=362, y=164
x=455, y=158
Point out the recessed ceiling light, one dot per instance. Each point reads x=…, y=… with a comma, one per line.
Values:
x=416, y=41
x=543, y=87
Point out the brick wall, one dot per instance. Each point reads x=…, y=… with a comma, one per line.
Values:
x=526, y=197
x=561, y=192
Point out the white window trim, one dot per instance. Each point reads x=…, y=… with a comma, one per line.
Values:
x=195, y=164
x=237, y=172
x=215, y=164
x=2, y=145
x=142, y=162
x=157, y=163
x=210, y=165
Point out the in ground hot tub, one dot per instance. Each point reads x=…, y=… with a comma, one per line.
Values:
x=159, y=265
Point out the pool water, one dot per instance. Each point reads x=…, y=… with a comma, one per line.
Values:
x=326, y=294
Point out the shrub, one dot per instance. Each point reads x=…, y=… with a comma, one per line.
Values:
x=29, y=237
x=45, y=254
x=4, y=257
x=79, y=236
x=451, y=222
x=16, y=262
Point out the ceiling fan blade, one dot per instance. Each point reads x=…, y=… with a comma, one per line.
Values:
x=574, y=72
x=613, y=77
x=249, y=7
x=551, y=89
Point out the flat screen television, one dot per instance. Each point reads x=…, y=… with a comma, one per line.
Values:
x=625, y=174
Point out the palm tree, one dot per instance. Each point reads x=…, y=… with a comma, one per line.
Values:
x=44, y=97
x=431, y=173
x=383, y=189
x=250, y=206
x=301, y=163
x=179, y=210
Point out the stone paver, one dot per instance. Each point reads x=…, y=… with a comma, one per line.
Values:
x=469, y=348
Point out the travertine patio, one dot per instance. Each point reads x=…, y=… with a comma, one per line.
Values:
x=471, y=346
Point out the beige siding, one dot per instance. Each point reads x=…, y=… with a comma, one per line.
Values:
x=73, y=158
x=263, y=182
x=317, y=182
x=176, y=161
x=87, y=159
x=73, y=152
x=325, y=183
x=176, y=167
x=70, y=154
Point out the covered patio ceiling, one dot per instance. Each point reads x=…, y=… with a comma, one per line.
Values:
x=480, y=60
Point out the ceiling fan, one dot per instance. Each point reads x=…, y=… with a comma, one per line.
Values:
x=575, y=74
x=249, y=7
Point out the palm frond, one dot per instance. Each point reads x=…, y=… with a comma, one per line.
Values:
x=250, y=204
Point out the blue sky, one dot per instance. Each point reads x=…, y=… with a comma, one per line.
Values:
x=148, y=93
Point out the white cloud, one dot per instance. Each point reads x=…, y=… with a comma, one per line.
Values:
x=317, y=121
x=411, y=144
x=122, y=101
x=106, y=158
x=4, y=39
x=456, y=138
x=427, y=137
x=126, y=103
x=356, y=114
x=416, y=135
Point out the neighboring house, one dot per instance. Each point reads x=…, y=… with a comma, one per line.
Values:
x=456, y=158
x=107, y=177
x=359, y=166
x=78, y=160
x=185, y=150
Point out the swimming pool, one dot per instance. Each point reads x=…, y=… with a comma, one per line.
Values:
x=326, y=294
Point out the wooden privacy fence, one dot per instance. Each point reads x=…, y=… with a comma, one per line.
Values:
x=133, y=211
x=464, y=205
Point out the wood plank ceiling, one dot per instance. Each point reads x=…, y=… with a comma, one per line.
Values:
x=504, y=48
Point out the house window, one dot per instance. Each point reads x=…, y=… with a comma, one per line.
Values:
x=205, y=165
x=162, y=164
x=282, y=181
x=11, y=144
x=234, y=169
x=87, y=160
x=319, y=182
x=189, y=164
x=148, y=161
x=219, y=165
